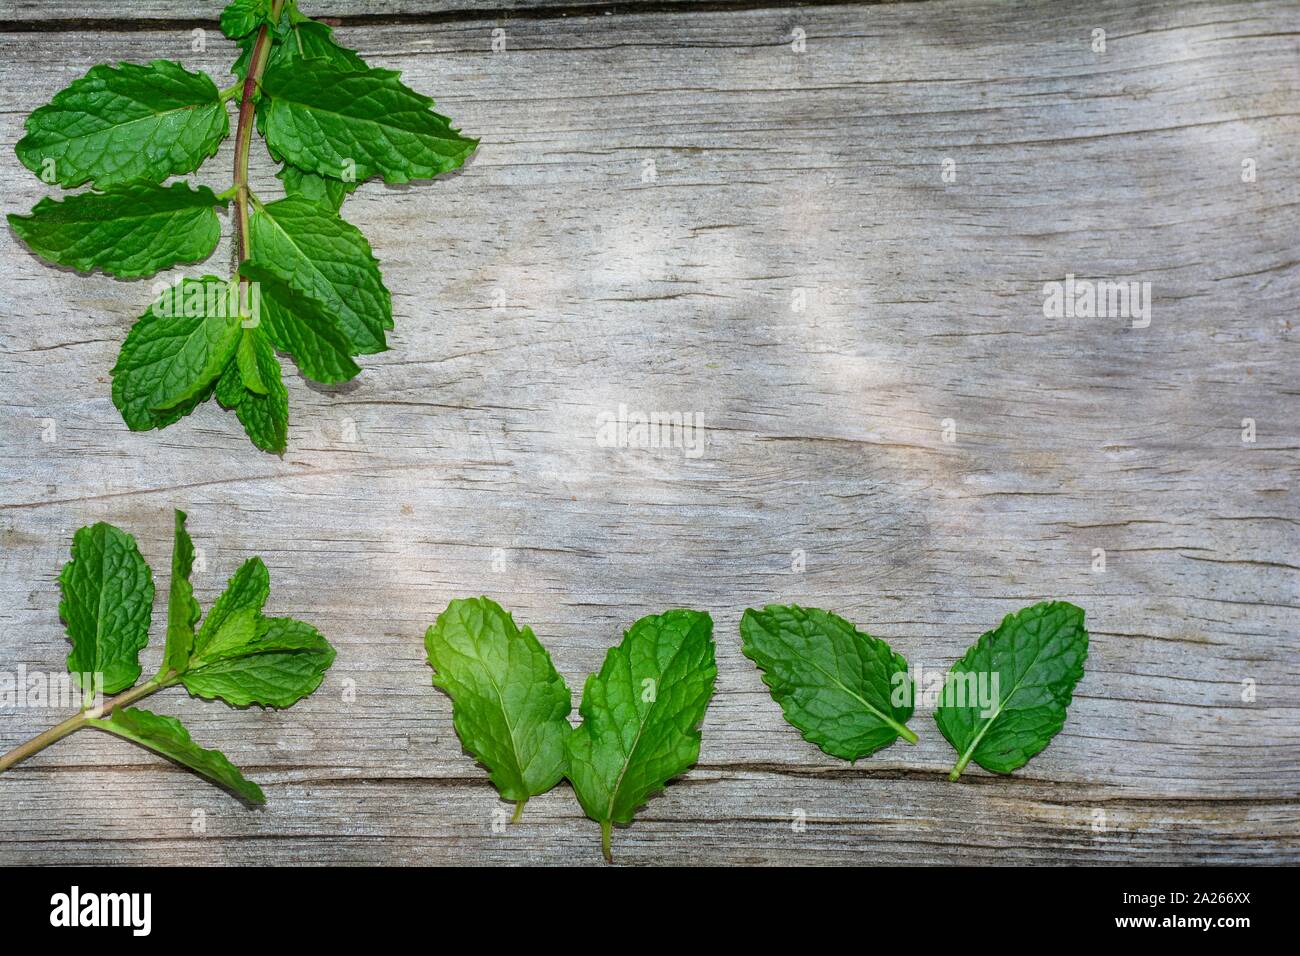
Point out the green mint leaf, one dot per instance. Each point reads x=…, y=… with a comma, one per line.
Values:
x=1005, y=699
x=128, y=231
x=299, y=325
x=324, y=258
x=640, y=715
x=509, y=706
x=285, y=662
x=323, y=190
x=297, y=37
x=250, y=371
x=132, y=122
x=312, y=40
x=247, y=590
x=167, y=736
x=844, y=689
x=107, y=604
x=242, y=17
x=169, y=363
x=265, y=413
x=182, y=610
x=326, y=120
x=232, y=637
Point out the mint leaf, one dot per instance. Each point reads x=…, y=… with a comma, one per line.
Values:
x=640, y=716
x=182, y=610
x=107, y=603
x=320, y=256
x=128, y=231
x=167, y=736
x=169, y=362
x=132, y=122
x=251, y=385
x=844, y=689
x=1005, y=699
x=246, y=361
x=247, y=590
x=510, y=707
x=297, y=37
x=242, y=17
x=284, y=662
x=299, y=325
x=323, y=190
x=326, y=120
x=310, y=39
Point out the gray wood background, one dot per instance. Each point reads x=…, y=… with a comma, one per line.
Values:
x=554, y=279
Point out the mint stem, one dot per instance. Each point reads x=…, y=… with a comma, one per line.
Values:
x=960, y=766
x=77, y=721
x=519, y=810
x=605, y=827
x=244, y=132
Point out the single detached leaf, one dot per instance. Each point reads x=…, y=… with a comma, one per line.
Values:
x=182, y=610
x=285, y=662
x=640, y=715
x=242, y=17
x=322, y=257
x=1005, y=699
x=107, y=603
x=510, y=707
x=265, y=413
x=324, y=190
x=125, y=123
x=170, y=361
x=326, y=120
x=167, y=736
x=844, y=689
x=128, y=231
x=247, y=590
x=298, y=324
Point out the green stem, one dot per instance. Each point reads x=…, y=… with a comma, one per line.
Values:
x=605, y=827
x=960, y=766
x=77, y=721
x=519, y=810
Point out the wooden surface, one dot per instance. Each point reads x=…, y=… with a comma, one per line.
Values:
x=549, y=282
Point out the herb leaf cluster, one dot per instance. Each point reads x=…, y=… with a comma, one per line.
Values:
x=329, y=119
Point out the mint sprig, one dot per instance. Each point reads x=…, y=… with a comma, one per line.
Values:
x=237, y=654
x=331, y=121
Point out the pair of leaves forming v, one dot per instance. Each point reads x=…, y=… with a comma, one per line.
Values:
x=640, y=713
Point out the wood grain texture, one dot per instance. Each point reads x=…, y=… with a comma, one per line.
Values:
x=552, y=280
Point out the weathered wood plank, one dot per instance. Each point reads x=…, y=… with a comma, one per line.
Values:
x=553, y=280
x=33, y=13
